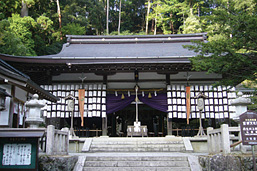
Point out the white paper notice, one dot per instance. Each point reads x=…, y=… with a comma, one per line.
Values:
x=17, y=154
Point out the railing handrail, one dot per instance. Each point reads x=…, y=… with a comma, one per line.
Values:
x=57, y=141
x=219, y=139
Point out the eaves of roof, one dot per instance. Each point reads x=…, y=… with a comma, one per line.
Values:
x=15, y=77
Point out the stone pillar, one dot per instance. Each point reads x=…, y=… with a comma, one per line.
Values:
x=210, y=140
x=34, y=118
x=50, y=139
x=66, y=140
x=225, y=139
x=241, y=105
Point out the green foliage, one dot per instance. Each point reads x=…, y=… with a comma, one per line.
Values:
x=9, y=7
x=231, y=50
x=10, y=42
x=29, y=3
x=126, y=32
x=73, y=29
x=192, y=25
x=23, y=27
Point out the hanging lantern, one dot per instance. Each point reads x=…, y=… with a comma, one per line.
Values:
x=122, y=96
x=128, y=93
x=143, y=93
x=149, y=95
x=155, y=93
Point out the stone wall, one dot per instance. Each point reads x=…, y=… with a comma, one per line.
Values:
x=220, y=162
x=57, y=163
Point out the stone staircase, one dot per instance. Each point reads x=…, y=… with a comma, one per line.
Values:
x=137, y=163
x=163, y=144
x=137, y=154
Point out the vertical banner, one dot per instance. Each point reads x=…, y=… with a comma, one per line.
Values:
x=81, y=104
x=188, y=102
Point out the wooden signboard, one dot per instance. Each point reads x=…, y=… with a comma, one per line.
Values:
x=248, y=125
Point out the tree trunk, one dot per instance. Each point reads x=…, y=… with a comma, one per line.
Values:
x=152, y=28
x=191, y=7
x=119, y=19
x=155, y=25
x=171, y=24
x=107, y=18
x=147, y=15
x=24, y=9
x=59, y=16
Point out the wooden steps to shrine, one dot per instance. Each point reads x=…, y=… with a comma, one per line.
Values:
x=163, y=144
x=138, y=163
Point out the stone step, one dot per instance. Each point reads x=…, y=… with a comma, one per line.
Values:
x=98, y=149
x=136, y=142
x=137, y=145
x=137, y=169
x=137, y=158
x=136, y=164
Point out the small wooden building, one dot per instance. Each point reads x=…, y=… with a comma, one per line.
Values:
x=19, y=88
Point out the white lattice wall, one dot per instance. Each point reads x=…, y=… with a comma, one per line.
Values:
x=95, y=100
x=216, y=105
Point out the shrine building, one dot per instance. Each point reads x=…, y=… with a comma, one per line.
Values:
x=115, y=71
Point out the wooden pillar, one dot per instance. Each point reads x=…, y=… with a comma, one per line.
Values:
x=11, y=106
x=104, y=119
x=104, y=126
x=113, y=124
x=169, y=125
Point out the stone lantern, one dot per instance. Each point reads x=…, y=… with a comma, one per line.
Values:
x=34, y=117
x=240, y=104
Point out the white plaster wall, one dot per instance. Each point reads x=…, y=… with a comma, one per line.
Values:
x=20, y=94
x=4, y=115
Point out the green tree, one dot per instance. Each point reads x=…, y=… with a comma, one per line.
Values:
x=74, y=29
x=192, y=25
x=10, y=43
x=23, y=29
x=231, y=50
x=9, y=7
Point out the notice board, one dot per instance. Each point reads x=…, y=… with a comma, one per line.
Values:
x=18, y=153
x=248, y=125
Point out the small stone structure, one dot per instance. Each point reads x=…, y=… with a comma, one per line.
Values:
x=241, y=105
x=34, y=117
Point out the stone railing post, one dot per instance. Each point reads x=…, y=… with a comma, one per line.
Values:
x=210, y=140
x=225, y=143
x=50, y=140
x=66, y=140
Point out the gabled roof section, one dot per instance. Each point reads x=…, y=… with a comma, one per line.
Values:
x=115, y=47
x=17, y=78
x=119, y=49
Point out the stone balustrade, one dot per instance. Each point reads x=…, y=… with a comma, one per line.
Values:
x=219, y=139
x=57, y=141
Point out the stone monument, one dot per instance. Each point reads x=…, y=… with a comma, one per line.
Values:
x=34, y=117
